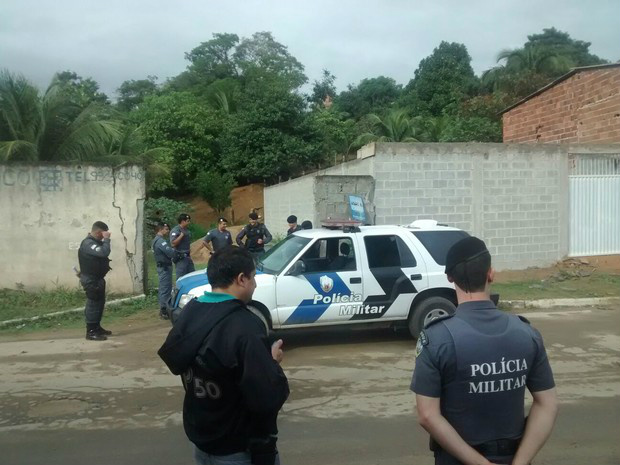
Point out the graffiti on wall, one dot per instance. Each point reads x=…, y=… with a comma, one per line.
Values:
x=53, y=179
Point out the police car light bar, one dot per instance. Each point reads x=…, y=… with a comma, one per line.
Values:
x=345, y=225
x=420, y=224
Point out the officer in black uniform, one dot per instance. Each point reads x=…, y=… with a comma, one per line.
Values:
x=257, y=236
x=234, y=385
x=473, y=405
x=292, y=225
x=306, y=224
x=163, y=257
x=94, y=265
x=181, y=240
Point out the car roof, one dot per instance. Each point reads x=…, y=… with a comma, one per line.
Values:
x=388, y=229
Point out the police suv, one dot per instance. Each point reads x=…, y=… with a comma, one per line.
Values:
x=350, y=275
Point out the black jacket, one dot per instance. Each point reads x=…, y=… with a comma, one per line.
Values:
x=93, y=257
x=233, y=387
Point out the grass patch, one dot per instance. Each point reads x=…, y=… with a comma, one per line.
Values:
x=76, y=320
x=22, y=304
x=558, y=287
x=151, y=272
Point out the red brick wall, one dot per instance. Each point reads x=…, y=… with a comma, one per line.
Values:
x=583, y=108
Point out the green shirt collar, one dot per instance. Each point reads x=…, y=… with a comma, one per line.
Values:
x=215, y=297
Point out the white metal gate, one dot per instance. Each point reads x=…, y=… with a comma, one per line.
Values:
x=594, y=217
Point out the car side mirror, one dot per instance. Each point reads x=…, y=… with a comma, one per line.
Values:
x=298, y=268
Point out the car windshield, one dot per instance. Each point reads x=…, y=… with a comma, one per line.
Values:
x=274, y=261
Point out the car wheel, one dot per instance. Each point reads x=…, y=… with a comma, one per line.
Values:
x=426, y=311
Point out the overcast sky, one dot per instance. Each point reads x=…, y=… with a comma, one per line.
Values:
x=115, y=40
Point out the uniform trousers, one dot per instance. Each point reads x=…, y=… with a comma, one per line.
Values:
x=95, y=298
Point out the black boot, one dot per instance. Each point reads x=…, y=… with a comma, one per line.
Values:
x=163, y=314
x=103, y=331
x=94, y=335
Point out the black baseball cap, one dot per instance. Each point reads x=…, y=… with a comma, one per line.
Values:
x=222, y=220
x=253, y=216
x=463, y=251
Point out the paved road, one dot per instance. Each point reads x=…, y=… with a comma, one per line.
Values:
x=67, y=401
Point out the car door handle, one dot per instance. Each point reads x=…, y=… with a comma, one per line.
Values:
x=355, y=280
x=416, y=277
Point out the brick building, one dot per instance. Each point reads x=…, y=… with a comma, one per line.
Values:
x=581, y=106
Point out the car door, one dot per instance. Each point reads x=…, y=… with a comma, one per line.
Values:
x=328, y=289
x=394, y=275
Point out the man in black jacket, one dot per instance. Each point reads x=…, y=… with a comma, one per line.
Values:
x=234, y=385
x=94, y=265
x=256, y=234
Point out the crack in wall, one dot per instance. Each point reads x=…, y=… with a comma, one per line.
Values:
x=129, y=256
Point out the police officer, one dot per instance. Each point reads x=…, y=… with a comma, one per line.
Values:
x=163, y=257
x=473, y=405
x=257, y=236
x=94, y=265
x=306, y=224
x=292, y=225
x=218, y=238
x=181, y=240
x=234, y=385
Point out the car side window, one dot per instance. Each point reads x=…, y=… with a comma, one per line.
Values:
x=388, y=251
x=330, y=255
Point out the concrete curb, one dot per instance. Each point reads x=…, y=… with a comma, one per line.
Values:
x=550, y=303
x=63, y=312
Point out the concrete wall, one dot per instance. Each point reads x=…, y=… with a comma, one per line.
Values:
x=318, y=195
x=582, y=108
x=515, y=197
x=48, y=210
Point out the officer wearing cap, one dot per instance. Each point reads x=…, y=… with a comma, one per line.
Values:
x=256, y=234
x=218, y=238
x=292, y=225
x=163, y=257
x=94, y=265
x=307, y=224
x=181, y=240
x=473, y=405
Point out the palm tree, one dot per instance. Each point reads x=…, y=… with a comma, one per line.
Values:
x=395, y=127
x=50, y=127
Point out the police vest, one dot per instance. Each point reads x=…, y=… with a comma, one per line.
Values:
x=485, y=401
x=254, y=233
x=97, y=267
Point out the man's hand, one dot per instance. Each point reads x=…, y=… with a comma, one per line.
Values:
x=106, y=234
x=259, y=241
x=276, y=350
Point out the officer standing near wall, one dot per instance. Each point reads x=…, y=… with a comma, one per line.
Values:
x=181, y=240
x=473, y=405
x=218, y=238
x=292, y=225
x=257, y=235
x=163, y=258
x=94, y=265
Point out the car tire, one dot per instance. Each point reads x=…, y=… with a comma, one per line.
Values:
x=426, y=311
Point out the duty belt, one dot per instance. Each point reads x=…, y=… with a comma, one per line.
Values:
x=164, y=265
x=495, y=448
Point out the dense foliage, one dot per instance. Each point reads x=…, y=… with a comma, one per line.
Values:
x=237, y=113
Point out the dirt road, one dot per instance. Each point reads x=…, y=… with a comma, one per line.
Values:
x=64, y=400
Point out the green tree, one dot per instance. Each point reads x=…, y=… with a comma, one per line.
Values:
x=334, y=134
x=187, y=127
x=442, y=81
x=374, y=95
x=471, y=129
x=396, y=126
x=81, y=91
x=213, y=59
x=53, y=126
x=562, y=45
x=215, y=189
x=132, y=93
x=269, y=135
x=322, y=89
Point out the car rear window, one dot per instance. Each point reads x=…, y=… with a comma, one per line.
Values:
x=439, y=242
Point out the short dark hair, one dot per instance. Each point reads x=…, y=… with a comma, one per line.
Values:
x=183, y=217
x=227, y=263
x=159, y=226
x=253, y=216
x=307, y=224
x=291, y=219
x=99, y=226
x=471, y=275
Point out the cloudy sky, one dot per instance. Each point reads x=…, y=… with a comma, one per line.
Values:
x=116, y=40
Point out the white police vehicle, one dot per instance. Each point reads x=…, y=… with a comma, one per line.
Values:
x=350, y=275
